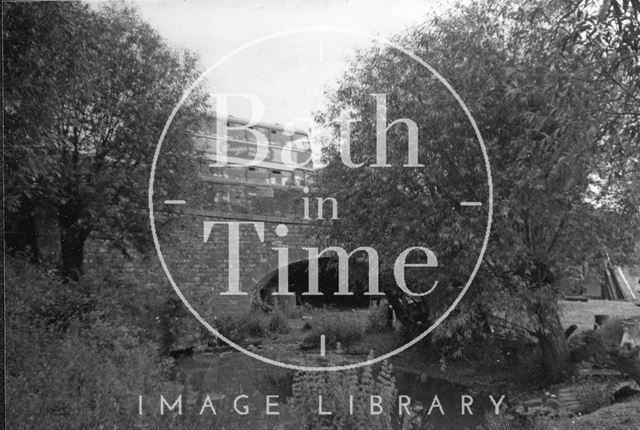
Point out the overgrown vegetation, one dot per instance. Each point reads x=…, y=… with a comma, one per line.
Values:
x=85, y=367
x=378, y=317
x=238, y=327
x=497, y=422
x=278, y=324
x=552, y=85
x=556, y=119
x=335, y=388
x=86, y=93
x=274, y=381
x=337, y=327
x=592, y=395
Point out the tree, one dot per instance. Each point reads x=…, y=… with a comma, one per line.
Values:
x=87, y=93
x=557, y=104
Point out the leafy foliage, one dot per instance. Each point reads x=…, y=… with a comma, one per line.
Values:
x=335, y=388
x=336, y=327
x=239, y=327
x=278, y=323
x=87, y=93
x=593, y=395
x=80, y=368
x=378, y=318
x=554, y=91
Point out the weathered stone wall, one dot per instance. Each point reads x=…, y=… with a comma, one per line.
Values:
x=201, y=270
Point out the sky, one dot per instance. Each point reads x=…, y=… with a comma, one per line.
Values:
x=289, y=73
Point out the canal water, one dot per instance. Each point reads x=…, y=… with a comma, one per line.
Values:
x=228, y=375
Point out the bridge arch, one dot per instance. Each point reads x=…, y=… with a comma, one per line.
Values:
x=263, y=297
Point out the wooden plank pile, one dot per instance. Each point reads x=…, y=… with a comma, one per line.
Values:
x=615, y=285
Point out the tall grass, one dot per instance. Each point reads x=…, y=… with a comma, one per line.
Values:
x=278, y=324
x=346, y=328
x=76, y=357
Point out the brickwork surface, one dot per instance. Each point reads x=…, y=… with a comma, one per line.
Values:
x=201, y=269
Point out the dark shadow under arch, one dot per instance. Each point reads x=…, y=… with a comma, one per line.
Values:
x=263, y=297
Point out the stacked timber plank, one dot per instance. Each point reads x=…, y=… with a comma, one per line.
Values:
x=626, y=289
x=615, y=285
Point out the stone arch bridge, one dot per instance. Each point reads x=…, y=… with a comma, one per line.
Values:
x=202, y=269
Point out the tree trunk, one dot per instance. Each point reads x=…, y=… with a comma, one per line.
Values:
x=20, y=230
x=555, y=349
x=72, y=238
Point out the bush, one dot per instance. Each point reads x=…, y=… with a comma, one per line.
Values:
x=592, y=396
x=380, y=343
x=179, y=330
x=86, y=378
x=80, y=369
x=345, y=328
x=272, y=380
x=295, y=311
x=596, y=344
x=239, y=327
x=335, y=387
x=497, y=422
x=377, y=317
x=278, y=324
x=253, y=325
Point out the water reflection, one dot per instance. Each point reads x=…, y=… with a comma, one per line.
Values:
x=227, y=376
